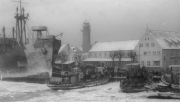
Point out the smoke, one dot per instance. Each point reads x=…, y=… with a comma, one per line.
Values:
x=38, y=62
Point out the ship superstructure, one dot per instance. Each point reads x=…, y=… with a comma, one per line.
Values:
x=12, y=55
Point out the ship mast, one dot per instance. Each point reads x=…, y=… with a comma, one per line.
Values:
x=21, y=19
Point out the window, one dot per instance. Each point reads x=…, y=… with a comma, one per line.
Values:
x=89, y=55
x=152, y=44
x=159, y=52
x=105, y=54
x=100, y=55
x=148, y=63
x=142, y=63
x=156, y=63
x=175, y=61
x=95, y=55
x=147, y=44
x=146, y=38
x=145, y=53
x=140, y=45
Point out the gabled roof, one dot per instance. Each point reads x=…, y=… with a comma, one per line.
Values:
x=166, y=39
x=114, y=46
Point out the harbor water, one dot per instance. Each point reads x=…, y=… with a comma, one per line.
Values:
x=30, y=92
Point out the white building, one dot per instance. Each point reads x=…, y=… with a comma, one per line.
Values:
x=101, y=52
x=156, y=48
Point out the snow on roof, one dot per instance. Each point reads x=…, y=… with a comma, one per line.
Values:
x=114, y=45
x=66, y=62
x=62, y=48
x=167, y=39
x=106, y=59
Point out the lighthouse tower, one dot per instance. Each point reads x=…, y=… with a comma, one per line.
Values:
x=86, y=43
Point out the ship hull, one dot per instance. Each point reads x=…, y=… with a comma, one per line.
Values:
x=78, y=85
x=13, y=61
x=37, y=78
x=35, y=64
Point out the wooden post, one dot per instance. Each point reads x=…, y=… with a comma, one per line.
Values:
x=4, y=36
x=13, y=31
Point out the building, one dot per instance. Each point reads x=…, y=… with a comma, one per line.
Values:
x=86, y=43
x=159, y=49
x=112, y=54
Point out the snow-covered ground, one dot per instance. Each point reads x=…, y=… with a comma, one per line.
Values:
x=28, y=92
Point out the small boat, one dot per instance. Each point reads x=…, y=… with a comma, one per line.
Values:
x=170, y=80
x=165, y=95
x=135, y=79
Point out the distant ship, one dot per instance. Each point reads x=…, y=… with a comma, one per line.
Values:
x=25, y=58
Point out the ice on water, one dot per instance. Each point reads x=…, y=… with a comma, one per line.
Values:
x=30, y=92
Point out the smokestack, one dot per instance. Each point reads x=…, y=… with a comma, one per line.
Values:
x=86, y=43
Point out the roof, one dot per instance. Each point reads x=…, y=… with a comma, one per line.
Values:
x=166, y=39
x=66, y=62
x=106, y=59
x=114, y=45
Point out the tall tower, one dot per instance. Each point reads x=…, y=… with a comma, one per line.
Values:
x=86, y=43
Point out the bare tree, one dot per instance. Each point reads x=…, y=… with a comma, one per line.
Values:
x=116, y=54
x=132, y=55
x=113, y=56
x=119, y=55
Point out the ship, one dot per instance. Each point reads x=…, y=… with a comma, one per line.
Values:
x=170, y=81
x=169, y=86
x=26, y=57
x=69, y=72
x=133, y=78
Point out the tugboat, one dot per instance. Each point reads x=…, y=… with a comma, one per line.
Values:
x=25, y=58
x=76, y=79
x=134, y=79
x=169, y=86
x=72, y=74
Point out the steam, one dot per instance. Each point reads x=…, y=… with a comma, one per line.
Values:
x=37, y=63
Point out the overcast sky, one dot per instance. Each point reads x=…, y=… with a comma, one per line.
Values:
x=110, y=20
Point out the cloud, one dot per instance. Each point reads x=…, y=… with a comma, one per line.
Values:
x=112, y=19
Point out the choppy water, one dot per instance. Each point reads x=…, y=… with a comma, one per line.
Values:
x=28, y=92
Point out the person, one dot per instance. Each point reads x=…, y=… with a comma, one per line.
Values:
x=81, y=75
